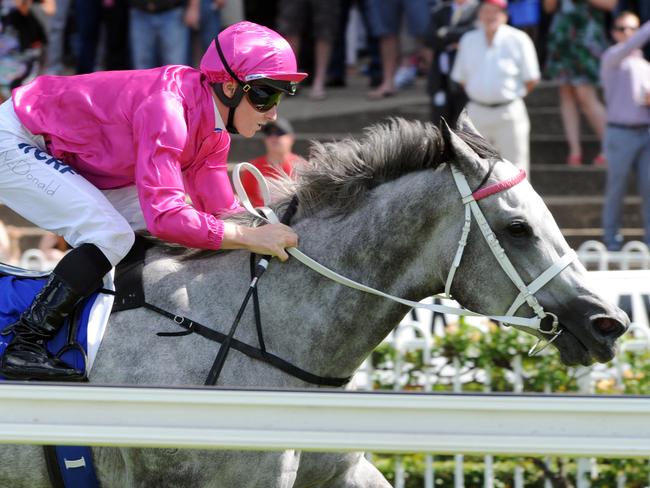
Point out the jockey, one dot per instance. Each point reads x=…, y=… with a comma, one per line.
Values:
x=95, y=157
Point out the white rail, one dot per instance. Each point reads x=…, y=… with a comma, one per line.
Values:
x=633, y=255
x=325, y=420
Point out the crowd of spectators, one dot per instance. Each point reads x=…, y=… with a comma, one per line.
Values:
x=489, y=74
x=401, y=38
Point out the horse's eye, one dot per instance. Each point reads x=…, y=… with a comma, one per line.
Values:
x=518, y=228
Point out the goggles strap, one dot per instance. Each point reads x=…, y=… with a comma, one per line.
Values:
x=230, y=125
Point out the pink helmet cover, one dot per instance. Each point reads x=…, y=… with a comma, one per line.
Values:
x=252, y=51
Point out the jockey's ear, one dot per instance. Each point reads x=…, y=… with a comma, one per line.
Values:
x=229, y=88
x=465, y=124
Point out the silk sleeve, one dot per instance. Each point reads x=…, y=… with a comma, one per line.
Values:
x=160, y=135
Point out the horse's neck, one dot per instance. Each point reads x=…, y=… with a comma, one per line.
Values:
x=307, y=319
x=382, y=244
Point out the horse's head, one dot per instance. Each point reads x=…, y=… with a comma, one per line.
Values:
x=534, y=245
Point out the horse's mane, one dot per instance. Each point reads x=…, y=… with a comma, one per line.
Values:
x=337, y=175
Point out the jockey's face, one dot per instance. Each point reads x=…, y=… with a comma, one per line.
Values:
x=248, y=120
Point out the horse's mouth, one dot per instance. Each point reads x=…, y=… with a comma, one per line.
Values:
x=574, y=351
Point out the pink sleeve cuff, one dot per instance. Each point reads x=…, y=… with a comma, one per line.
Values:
x=215, y=232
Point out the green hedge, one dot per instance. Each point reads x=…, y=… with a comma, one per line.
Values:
x=495, y=351
x=637, y=472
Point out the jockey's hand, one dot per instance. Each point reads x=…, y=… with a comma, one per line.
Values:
x=268, y=239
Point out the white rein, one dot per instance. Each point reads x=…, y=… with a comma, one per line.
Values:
x=526, y=292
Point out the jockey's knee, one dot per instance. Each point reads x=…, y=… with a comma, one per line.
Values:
x=117, y=245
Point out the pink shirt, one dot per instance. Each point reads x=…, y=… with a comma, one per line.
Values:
x=157, y=129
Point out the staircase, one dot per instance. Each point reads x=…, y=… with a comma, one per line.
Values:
x=573, y=194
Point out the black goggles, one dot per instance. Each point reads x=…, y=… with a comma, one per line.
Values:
x=262, y=97
x=263, y=93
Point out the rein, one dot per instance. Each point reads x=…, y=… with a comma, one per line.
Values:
x=256, y=273
x=469, y=199
x=130, y=295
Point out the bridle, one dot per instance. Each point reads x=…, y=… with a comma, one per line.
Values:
x=526, y=292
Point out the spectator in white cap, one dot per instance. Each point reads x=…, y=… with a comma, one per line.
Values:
x=497, y=66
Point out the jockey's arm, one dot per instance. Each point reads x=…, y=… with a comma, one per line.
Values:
x=161, y=188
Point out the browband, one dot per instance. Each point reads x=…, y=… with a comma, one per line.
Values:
x=500, y=186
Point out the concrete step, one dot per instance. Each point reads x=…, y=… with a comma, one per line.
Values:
x=585, y=212
x=30, y=235
x=355, y=122
x=9, y=217
x=560, y=179
x=544, y=120
x=548, y=120
x=546, y=94
x=242, y=149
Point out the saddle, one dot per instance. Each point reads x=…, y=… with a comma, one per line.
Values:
x=78, y=340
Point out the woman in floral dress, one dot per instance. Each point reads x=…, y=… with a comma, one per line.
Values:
x=576, y=41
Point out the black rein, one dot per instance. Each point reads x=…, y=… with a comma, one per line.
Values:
x=228, y=341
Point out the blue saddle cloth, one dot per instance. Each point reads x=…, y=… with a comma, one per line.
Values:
x=17, y=294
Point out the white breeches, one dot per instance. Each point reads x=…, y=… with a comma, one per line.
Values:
x=53, y=196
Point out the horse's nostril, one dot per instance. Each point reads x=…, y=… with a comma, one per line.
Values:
x=608, y=326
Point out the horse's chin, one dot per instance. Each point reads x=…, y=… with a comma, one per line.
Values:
x=574, y=353
x=574, y=357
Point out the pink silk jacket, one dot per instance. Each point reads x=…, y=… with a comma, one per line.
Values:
x=157, y=129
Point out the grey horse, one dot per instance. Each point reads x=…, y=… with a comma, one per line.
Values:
x=382, y=210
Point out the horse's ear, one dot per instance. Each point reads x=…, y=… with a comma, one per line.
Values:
x=463, y=155
x=455, y=144
x=465, y=124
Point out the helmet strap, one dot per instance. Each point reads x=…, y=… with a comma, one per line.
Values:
x=231, y=102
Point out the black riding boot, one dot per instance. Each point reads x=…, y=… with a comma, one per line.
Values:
x=26, y=356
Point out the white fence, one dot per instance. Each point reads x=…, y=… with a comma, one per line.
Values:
x=633, y=255
x=325, y=421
